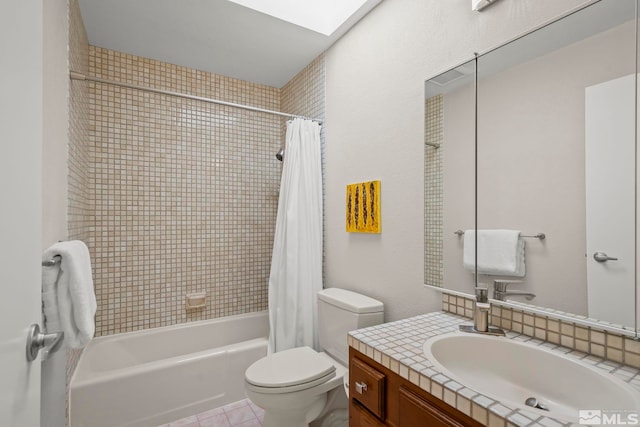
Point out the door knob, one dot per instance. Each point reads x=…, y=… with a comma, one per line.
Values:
x=36, y=341
x=603, y=257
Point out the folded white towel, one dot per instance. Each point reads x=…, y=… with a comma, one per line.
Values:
x=500, y=252
x=68, y=295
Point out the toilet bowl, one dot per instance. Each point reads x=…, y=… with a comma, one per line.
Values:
x=299, y=395
x=293, y=386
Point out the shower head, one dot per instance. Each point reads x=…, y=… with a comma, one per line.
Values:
x=280, y=154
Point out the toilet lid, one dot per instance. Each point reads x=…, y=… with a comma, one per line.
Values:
x=295, y=367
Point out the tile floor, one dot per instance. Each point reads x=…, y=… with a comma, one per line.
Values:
x=238, y=414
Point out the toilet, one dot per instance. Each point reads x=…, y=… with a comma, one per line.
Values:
x=295, y=386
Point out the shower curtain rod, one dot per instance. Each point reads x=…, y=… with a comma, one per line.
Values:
x=79, y=76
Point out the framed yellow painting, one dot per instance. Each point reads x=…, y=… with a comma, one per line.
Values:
x=363, y=207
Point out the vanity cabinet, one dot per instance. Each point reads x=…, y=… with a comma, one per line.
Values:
x=379, y=397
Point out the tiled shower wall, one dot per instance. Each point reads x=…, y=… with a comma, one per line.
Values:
x=305, y=95
x=80, y=203
x=186, y=192
x=433, y=191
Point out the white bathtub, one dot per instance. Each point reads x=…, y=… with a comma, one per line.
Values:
x=151, y=377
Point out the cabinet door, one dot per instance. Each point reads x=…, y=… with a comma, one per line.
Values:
x=415, y=412
x=360, y=417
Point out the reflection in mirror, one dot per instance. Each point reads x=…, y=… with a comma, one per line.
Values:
x=556, y=154
x=448, y=158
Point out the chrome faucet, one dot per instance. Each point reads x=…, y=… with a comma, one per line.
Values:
x=481, y=316
x=500, y=291
x=481, y=310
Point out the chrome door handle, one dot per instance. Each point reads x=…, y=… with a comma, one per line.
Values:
x=36, y=341
x=360, y=387
x=603, y=257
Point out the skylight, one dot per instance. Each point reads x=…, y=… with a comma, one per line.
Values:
x=321, y=16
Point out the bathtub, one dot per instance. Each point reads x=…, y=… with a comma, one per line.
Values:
x=151, y=377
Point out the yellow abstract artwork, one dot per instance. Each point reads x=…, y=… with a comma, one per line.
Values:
x=363, y=207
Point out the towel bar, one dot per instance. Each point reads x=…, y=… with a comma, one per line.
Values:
x=540, y=236
x=51, y=262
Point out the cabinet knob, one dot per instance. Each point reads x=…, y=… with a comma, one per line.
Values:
x=361, y=387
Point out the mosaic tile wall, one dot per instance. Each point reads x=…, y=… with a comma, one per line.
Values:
x=80, y=203
x=186, y=193
x=576, y=335
x=433, y=191
x=80, y=194
x=305, y=95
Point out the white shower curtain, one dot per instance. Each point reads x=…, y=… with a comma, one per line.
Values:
x=296, y=264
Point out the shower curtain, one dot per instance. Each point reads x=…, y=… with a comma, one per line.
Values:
x=296, y=263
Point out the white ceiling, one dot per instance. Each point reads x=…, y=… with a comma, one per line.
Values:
x=218, y=36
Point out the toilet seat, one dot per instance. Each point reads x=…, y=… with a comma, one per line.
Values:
x=289, y=371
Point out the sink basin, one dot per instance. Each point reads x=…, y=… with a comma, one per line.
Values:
x=511, y=372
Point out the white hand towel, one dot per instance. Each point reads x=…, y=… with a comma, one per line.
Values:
x=75, y=300
x=500, y=252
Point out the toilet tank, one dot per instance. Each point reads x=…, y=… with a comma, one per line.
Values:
x=341, y=311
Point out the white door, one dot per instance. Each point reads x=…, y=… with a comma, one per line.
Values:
x=20, y=207
x=610, y=199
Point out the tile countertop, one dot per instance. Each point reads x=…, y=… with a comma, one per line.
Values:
x=398, y=346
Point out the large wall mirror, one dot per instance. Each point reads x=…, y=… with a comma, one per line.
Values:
x=554, y=117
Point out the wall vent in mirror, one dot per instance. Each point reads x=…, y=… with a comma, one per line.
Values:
x=447, y=77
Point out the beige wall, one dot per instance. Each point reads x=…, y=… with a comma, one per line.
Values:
x=375, y=126
x=54, y=149
x=79, y=188
x=54, y=182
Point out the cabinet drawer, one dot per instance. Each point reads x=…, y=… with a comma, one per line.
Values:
x=416, y=411
x=367, y=386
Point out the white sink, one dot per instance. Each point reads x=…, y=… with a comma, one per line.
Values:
x=510, y=372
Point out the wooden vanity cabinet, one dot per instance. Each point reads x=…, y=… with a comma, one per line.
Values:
x=379, y=397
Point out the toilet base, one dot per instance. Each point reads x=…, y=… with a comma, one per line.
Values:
x=336, y=413
x=290, y=414
x=335, y=418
